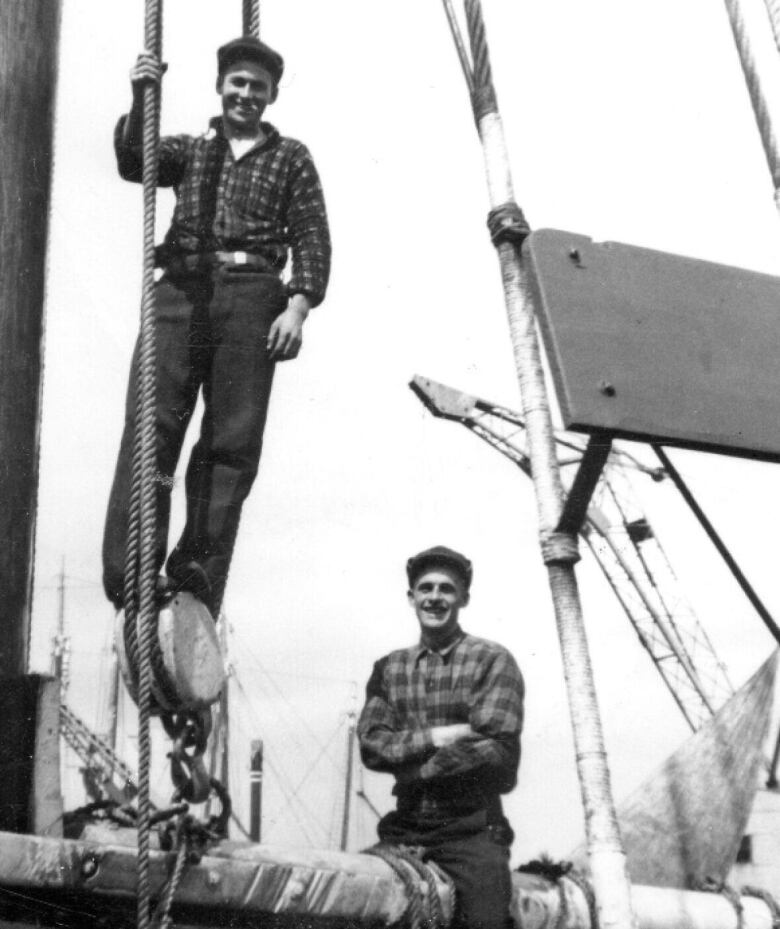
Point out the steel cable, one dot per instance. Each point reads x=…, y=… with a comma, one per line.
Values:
x=773, y=11
x=758, y=99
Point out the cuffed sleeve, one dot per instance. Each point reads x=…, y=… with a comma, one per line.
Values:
x=130, y=161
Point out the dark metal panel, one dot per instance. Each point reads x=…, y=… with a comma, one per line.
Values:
x=28, y=62
x=657, y=347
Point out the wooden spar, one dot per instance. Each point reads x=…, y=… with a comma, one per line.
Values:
x=243, y=883
x=559, y=548
x=29, y=32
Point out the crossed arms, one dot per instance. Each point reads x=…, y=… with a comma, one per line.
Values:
x=487, y=745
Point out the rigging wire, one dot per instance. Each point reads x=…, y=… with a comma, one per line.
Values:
x=280, y=780
x=773, y=12
x=316, y=761
x=247, y=651
x=758, y=98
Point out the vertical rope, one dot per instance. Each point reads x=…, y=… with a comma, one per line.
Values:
x=251, y=17
x=140, y=562
x=607, y=860
x=757, y=98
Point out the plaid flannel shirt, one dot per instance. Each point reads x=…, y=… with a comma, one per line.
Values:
x=267, y=202
x=470, y=681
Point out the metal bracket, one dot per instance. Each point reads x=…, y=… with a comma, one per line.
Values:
x=591, y=465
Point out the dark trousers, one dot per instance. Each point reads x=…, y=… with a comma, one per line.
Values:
x=474, y=855
x=211, y=336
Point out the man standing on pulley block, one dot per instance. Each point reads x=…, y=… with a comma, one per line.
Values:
x=246, y=197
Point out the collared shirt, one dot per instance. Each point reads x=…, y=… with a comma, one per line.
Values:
x=471, y=680
x=266, y=202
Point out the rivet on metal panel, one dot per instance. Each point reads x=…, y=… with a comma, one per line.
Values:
x=89, y=866
x=607, y=389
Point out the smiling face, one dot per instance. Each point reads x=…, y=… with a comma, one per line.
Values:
x=437, y=596
x=246, y=88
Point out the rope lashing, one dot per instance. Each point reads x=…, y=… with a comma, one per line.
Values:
x=559, y=548
x=771, y=904
x=422, y=911
x=251, y=17
x=758, y=99
x=506, y=223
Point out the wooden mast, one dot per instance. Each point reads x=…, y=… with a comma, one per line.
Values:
x=29, y=31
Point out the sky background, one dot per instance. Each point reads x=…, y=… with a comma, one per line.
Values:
x=626, y=122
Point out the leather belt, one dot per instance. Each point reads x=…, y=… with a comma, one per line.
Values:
x=206, y=261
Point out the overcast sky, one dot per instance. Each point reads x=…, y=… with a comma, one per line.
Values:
x=626, y=122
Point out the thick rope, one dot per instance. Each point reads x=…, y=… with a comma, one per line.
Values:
x=251, y=17
x=606, y=856
x=140, y=565
x=757, y=98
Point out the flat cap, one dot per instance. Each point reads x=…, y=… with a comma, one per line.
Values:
x=249, y=48
x=439, y=555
